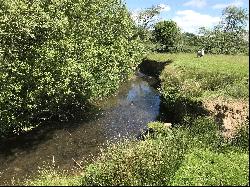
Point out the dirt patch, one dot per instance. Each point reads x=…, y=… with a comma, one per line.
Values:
x=230, y=114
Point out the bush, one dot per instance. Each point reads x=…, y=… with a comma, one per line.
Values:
x=150, y=162
x=192, y=153
x=56, y=55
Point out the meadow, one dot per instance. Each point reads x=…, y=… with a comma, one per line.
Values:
x=211, y=75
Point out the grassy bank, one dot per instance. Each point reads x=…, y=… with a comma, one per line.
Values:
x=214, y=85
x=193, y=151
x=178, y=156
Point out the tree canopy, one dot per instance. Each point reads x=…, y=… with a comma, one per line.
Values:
x=167, y=33
x=234, y=19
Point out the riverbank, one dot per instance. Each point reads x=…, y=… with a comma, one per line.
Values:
x=194, y=151
x=215, y=85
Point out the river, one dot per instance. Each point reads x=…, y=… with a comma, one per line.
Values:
x=67, y=146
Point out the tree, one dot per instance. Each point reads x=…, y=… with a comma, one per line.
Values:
x=145, y=20
x=190, y=38
x=189, y=42
x=234, y=19
x=233, y=30
x=228, y=37
x=167, y=33
x=147, y=17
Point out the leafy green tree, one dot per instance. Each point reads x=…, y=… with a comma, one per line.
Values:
x=234, y=19
x=189, y=42
x=190, y=38
x=168, y=34
x=229, y=37
x=57, y=55
x=148, y=16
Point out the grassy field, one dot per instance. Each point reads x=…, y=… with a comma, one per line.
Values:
x=193, y=151
x=211, y=75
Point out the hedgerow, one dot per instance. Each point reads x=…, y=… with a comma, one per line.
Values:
x=59, y=54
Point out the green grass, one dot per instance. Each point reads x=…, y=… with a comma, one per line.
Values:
x=203, y=167
x=52, y=177
x=189, y=82
x=193, y=154
x=209, y=76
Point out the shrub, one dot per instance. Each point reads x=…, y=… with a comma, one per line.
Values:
x=192, y=153
x=150, y=162
x=59, y=54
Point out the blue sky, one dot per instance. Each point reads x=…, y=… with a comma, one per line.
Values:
x=189, y=14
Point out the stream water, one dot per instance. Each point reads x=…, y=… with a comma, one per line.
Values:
x=66, y=146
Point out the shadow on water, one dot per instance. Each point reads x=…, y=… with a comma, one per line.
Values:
x=21, y=156
x=153, y=67
x=65, y=144
x=170, y=110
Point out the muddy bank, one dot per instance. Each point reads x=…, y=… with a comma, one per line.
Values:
x=229, y=114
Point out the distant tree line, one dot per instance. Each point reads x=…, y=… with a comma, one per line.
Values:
x=228, y=37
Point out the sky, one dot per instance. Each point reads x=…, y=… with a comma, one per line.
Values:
x=188, y=14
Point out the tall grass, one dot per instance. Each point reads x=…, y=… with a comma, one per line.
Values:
x=150, y=162
x=196, y=155
x=204, y=167
x=51, y=177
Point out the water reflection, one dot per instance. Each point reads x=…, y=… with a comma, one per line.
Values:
x=135, y=107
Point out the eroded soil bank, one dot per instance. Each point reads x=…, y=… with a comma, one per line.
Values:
x=230, y=114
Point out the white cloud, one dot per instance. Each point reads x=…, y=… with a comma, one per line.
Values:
x=237, y=3
x=164, y=7
x=135, y=13
x=196, y=3
x=191, y=21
